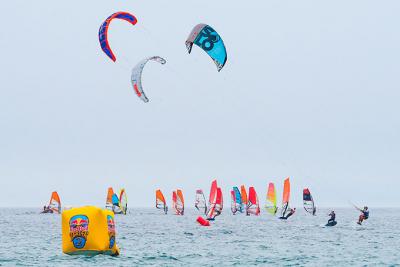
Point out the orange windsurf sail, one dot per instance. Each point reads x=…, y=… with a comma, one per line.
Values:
x=110, y=193
x=243, y=193
x=55, y=202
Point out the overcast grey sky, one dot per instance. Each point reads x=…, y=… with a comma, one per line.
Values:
x=310, y=90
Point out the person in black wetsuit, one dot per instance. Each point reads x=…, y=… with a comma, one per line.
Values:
x=291, y=212
x=364, y=215
x=332, y=218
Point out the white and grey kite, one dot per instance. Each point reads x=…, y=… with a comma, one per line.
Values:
x=136, y=77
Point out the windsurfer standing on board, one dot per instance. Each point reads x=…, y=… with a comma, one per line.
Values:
x=291, y=212
x=364, y=214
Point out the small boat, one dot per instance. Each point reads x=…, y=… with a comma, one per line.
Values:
x=160, y=201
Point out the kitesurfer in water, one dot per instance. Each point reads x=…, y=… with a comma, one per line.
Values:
x=364, y=215
x=332, y=218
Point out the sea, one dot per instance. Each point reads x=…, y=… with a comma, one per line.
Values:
x=148, y=237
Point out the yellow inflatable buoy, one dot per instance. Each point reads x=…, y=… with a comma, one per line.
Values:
x=88, y=231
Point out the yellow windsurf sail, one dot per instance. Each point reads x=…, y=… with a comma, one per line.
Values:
x=271, y=199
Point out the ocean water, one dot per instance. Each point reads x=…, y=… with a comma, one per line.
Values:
x=147, y=237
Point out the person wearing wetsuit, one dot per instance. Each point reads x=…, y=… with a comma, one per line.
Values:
x=332, y=218
x=364, y=215
x=292, y=211
x=314, y=211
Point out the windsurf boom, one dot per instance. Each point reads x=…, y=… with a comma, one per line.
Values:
x=200, y=202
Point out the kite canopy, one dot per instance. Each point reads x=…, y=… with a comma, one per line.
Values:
x=136, y=77
x=103, y=31
x=210, y=41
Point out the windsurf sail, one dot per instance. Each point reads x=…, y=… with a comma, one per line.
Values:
x=123, y=201
x=271, y=199
x=109, y=203
x=180, y=203
x=243, y=193
x=238, y=199
x=160, y=201
x=220, y=199
x=213, y=192
x=115, y=204
x=200, y=202
x=308, y=201
x=55, y=202
x=174, y=200
x=215, y=199
x=233, y=202
x=253, y=206
x=285, y=197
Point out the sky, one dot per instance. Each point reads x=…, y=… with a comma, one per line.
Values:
x=310, y=91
